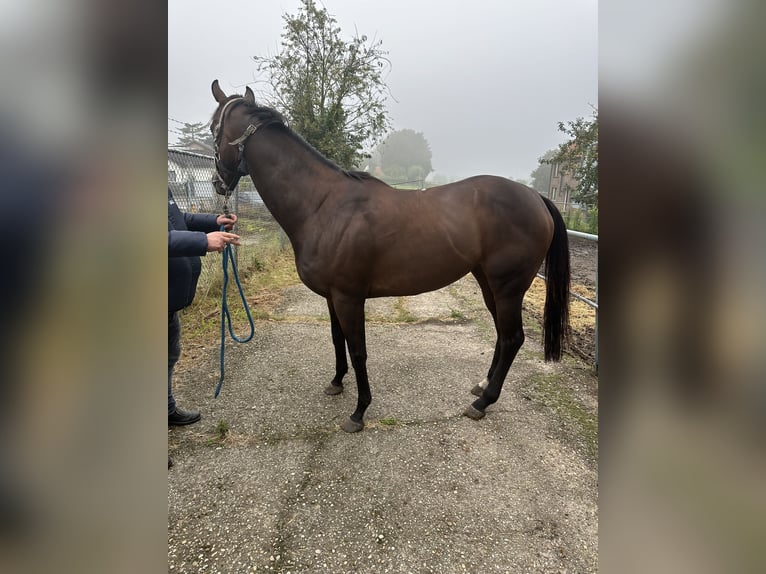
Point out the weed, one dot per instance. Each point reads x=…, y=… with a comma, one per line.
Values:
x=256, y=265
x=403, y=315
x=456, y=314
x=389, y=421
x=221, y=432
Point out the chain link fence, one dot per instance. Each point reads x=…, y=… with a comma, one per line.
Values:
x=190, y=179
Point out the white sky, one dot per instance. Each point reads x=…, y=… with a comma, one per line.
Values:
x=485, y=81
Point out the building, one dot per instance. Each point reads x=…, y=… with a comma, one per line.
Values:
x=190, y=178
x=198, y=147
x=561, y=186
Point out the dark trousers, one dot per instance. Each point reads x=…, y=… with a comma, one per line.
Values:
x=174, y=352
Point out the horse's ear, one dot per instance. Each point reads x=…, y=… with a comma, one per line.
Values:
x=249, y=95
x=218, y=94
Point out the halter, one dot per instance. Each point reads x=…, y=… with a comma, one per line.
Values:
x=221, y=171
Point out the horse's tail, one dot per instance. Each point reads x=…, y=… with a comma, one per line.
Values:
x=556, y=313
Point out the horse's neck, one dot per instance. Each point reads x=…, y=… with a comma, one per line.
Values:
x=290, y=179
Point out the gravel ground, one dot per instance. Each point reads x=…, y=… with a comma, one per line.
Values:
x=268, y=481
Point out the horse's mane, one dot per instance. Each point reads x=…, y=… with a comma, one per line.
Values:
x=266, y=116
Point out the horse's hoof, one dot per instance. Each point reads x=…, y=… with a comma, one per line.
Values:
x=350, y=425
x=477, y=390
x=333, y=390
x=473, y=413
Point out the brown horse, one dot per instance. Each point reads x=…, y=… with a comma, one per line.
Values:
x=355, y=237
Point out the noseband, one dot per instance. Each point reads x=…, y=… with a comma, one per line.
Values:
x=221, y=171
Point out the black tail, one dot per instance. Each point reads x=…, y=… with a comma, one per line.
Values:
x=556, y=313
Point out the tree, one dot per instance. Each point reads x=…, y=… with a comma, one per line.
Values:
x=541, y=176
x=405, y=153
x=439, y=179
x=331, y=91
x=579, y=156
x=197, y=132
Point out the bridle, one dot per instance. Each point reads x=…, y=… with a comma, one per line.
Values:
x=221, y=171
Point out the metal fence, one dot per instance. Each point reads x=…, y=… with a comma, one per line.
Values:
x=190, y=180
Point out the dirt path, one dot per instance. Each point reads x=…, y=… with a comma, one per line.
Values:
x=268, y=481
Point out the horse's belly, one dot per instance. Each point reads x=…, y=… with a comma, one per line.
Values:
x=412, y=280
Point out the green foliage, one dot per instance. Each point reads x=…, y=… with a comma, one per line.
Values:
x=415, y=172
x=396, y=174
x=579, y=156
x=404, y=154
x=438, y=179
x=593, y=220
x=331, y=91
x=585, y=221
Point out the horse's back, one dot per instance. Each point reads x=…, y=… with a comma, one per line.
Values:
x=430, y=238
x=513, y=223
x=498, y=202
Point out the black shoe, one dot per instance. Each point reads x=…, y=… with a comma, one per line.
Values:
x=180, y=417
x=170, y=461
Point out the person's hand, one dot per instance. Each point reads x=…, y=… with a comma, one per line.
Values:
x=227, y=221
x=218, y=240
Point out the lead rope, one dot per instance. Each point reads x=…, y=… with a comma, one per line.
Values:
x=225, y=315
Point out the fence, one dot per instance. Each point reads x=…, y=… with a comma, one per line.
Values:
x=190, y=180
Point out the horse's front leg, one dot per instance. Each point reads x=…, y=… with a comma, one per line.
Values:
x=350, y=313
x=341, y=363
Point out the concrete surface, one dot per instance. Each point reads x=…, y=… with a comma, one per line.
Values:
x=422, y=489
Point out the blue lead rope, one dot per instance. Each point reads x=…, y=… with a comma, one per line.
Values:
x=225, y=315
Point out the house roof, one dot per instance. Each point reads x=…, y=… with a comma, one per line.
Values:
x=197, y=146
x=184, y=158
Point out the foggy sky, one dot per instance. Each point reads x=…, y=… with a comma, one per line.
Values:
x=485, y=81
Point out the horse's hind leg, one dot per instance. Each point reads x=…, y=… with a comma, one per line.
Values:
x=489, y=301
x=478, y=388
x=350, y=313
x=341, y=363
x=510, y=338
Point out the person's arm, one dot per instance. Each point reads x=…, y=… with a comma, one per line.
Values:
x=191, y=243
x=206, y=222
x=209, y=221
x=187, y=243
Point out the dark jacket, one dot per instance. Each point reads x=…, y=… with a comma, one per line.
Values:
x=187, y=240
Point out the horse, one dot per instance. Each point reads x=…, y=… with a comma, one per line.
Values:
x=354, y=237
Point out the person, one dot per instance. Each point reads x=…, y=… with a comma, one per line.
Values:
x=190, y=235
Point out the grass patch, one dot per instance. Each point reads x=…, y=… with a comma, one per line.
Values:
x=456, y=314
x=403, y=315
x=389, y=421
x=265, y=269
x=551, y=392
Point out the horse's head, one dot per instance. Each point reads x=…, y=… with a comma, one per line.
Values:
x=229, y=135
